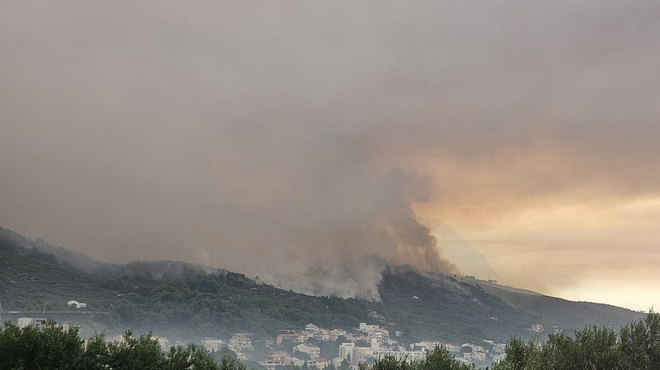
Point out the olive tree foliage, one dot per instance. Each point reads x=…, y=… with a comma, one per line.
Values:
x=437, y=359
x=637, y=347
x=53, y=347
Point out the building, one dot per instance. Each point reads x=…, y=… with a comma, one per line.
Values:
x=77, y=304
x=427, y=345
x=499, y=357
x=400, y=355
x=323, y=334
x=361, y=354
x=318, y=362
x=338, y=332
x=346, y=350
x=379, y=334
x=240, y=342
x=213, y=344
x=277, y=359
x=474, y=356
x=291, y=337
x=311, y=327
x=365, y=328
x=23, y=322
x=163, y=342
x=312, y=351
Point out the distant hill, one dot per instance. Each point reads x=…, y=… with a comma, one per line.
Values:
x=565, y=314
x=191, y=301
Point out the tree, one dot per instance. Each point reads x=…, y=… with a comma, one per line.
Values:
x=48, y=347
x=136, y=353
x=191, y=357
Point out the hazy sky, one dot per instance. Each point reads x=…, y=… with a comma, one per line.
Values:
x=308, y=137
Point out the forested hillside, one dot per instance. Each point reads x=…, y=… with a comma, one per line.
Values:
x=192, y=301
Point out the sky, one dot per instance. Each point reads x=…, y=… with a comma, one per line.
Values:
x=312, y=143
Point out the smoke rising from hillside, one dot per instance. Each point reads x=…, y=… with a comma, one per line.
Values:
x=308, y=139
x=336, y=243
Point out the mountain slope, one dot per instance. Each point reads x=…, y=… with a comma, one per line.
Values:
x=565, y=314
x=189, y=301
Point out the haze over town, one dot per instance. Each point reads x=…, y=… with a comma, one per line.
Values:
x=312, y=143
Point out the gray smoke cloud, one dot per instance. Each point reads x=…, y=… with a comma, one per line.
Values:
x=338, y=243
x=297, y=138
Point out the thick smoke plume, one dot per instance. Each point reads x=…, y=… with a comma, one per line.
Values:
x=302, y=141
x=338, y=243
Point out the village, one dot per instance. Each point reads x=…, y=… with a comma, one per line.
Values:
x=302, y=348
x=363, y=344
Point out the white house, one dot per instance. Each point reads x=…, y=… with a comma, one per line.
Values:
x=277, y=359
x=364, y=327
x=30, y=321
x=319, y=362
x=291, y=337
x=311, y=327
x=323, y=334
x=338, y=332
x=346, y=350
x=77, y=304
x=312, y=351
x=472, y=356
x=213, y=344
x=241, y=341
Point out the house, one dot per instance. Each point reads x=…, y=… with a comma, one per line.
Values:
x=361, y=354
x=163, y=342
x=364, y=327
x=346, y=350
x=427, y=345
x=474, y=356
x=312, y=351
x=30, y=321
x=318, y=362
x=277, y=359
x=311, y=327
x=401, y=355
x=379, y=334
x=240, y=341
x=213, y=344
x=292, y=337
x=77, y=304
x=499, y=348
x=323, y=334
x=475, y=348
x=338, y=332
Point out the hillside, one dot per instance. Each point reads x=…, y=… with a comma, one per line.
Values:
x=565, y=314
x=191, y=301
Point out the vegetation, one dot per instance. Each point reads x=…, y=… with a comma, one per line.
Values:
x=53, y=347
x=189, y=301
x=637, y=347
x=438, y=359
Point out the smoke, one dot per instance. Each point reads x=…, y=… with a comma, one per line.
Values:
x=336, y=245
x=301, y=141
